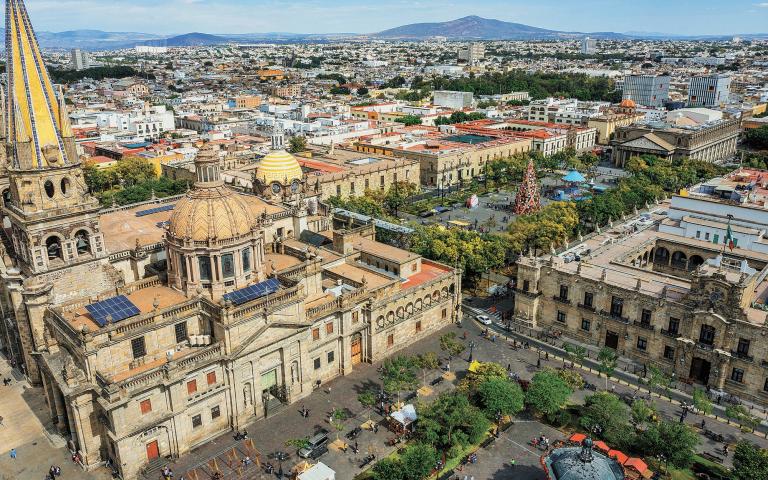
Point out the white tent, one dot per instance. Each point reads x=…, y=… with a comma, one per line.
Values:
x=320, y=471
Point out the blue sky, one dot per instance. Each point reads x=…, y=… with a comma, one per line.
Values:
x=365, y=16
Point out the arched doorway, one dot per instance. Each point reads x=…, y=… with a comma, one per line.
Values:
x=356, y=348
x=679, y=260
x=661, y=256
x=694, y=262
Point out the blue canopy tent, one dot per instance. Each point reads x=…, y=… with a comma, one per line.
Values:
x=573, y=176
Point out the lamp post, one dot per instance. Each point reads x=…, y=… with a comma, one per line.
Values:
x=280, y=457
x=471, y=349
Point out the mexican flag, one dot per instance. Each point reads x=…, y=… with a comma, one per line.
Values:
x=729, y=238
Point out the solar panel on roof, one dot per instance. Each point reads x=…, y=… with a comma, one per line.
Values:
x=238, y=297
x=164, y=208
x=116, y=309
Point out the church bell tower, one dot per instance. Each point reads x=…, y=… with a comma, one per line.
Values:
x=54, y=220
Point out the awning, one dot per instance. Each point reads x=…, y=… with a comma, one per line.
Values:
x=602, y=446
x=405, y=415
x=577, y=437
x=620, y=457
x=573, y=176
x=636, y=464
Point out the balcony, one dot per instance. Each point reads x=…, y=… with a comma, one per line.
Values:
x=705, y=346
x=560, y=299
x=644, y=325
x=526, y=293
x=670, y=333
x=743, y=356
x=591, y=308
x=614, y=317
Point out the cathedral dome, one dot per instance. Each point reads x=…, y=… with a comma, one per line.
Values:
x=279, y=166
x=211, y=210
x=628, y=103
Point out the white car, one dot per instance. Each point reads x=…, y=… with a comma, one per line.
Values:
x=484, y=319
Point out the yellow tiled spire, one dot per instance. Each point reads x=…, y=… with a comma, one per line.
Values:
x=34, y=114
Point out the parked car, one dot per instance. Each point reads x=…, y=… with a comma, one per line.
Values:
x=317, y=446
x=484, y=319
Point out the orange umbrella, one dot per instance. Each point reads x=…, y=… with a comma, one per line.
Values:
x=619, y=456
x=577, y=437
x=602, y=446
x=636, y=464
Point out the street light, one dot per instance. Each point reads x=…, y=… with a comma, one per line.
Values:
x=280, y=457
x=471, y=349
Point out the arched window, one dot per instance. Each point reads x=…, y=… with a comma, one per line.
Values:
x=82, y=242
x=64, y=186
x=49, y=188
x=53, y=247
x=679, y=259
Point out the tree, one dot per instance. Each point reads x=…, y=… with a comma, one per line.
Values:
x=675, y=441
x=297, y=144
x=547, y=393
x=418, y=461
x=607, y=415
x=134, y=170
x=298, y=443
x=397, y=196
x=658, y=378
x=643, y=412
x=750, y=462
x=571, y=377
x=701, y=402
x=576, y=353
x=340, y=91
x=362, y=91
x=427, y=361
x=388, y=469
x=338, y=417
x=608, y=359
x=451, y=345
x=409, y=120
x=397, y=375
x=451, y=421
x=367, y=399
x=500, y=396
x=741, y=415
x=757, y=137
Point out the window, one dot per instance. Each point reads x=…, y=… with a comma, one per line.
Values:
x=642, y=343
x=737, y=375
x=355, y=317
x=181, y=331
x=716, y=238
x=352, y=187
x=211, y=378
x=215, y=412
x=526, y=285
x=563, y=292
x=197, y=421
x=706, y=236
x=707, y=335
x=329, y=328
x=191, y=386
x=674, y=325
x=561, y=317
x=585, y=324
x=138, y=347
x=330, y=356
x=698, y=233
x=645, y=317
x=669, y=352
x=742, y=348
x=316, y=363
x=418, y=326
x=390, y=340
x=146, y=406
x=315, y=334
x=588, y=299
x=228, y=265
x=205, y=268
x=765, y=385
x=246, y=260
x=617, y=306
x=445, y=313
x=338, y=190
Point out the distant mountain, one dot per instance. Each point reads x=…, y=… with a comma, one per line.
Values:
x=195, y=39
x=474, y=27
x=90, y=39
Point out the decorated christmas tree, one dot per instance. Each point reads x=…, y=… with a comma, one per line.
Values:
x=528, y=199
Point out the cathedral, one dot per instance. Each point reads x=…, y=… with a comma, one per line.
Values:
x=153, y=328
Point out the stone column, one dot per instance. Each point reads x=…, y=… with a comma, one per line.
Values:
x=58, y=401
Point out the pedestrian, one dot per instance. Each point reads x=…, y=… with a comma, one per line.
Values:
x=513, y=462
x=13, y=453
x=703, y=424
x=538, y=363
x=546, y=356
x=57, y=470
x=375, y=428
x=509, y=367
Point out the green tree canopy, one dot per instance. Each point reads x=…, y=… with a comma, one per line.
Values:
x=297, y=143
x=675, y=441
x=750, y=462
x=451, y=421
x=398, y=374
x=499, y=395
x=409, y=120
x=610, y=415
x=451, y=345
x=547, y=393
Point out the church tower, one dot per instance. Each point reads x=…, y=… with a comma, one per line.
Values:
x=54, y=221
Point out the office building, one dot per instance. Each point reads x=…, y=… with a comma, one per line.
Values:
x=472, y=53
x=647, y=90
x=80, y=60
x=709, y=90
x=588, y=46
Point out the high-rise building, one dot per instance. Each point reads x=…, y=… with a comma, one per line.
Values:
x=472, y=53
x=709, y=90
x=647, y=90
x=80, y=60
x=588, y=46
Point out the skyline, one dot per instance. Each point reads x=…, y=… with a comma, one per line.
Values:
x=348, y=16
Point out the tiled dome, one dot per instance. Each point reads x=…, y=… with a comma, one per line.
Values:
x=279, y=166
x=215, y=213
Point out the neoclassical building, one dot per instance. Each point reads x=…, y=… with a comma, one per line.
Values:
x=154, y=328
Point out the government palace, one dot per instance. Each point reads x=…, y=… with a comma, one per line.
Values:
x=154, y=328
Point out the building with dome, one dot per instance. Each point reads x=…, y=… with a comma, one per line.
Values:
x=581, y=463
x=153, y=328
